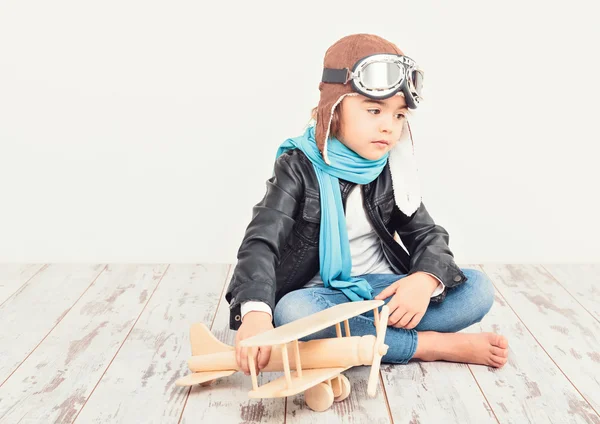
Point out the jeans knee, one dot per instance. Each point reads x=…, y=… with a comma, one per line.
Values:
x=282, y=313
x=299, y=304
x=293, y=306
x=483, y=293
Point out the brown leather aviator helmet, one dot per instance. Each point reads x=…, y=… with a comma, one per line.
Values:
x=344, y=54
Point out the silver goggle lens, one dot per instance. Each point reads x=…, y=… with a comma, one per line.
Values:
x=381, y=76
x=416, y=81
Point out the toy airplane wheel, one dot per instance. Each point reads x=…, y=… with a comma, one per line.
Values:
x=341, y=387
x=319, y=398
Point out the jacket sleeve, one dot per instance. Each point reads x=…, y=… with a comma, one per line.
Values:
x=427, y=245
x=272, y=221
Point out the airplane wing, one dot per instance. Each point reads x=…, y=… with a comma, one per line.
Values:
x=310, y=378
x=311, y=324
x=202, y=377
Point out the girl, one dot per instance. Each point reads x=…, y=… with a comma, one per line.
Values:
x=324, y=232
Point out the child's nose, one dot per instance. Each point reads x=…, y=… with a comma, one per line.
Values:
x=386, y=123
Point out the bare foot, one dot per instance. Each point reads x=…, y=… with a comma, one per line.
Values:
x=482, y=348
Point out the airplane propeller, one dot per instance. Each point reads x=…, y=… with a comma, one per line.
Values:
x=379, y=350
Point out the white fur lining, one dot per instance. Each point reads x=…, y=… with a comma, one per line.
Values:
x=405, y=174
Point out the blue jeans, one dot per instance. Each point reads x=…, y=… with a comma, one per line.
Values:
x=463, y=306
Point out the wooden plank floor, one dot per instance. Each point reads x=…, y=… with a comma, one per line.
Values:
x=105, y=343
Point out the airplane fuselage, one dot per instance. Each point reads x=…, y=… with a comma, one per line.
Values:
x=323, y=353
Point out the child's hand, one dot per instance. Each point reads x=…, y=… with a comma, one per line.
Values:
x=253, y=323
x=411, y=299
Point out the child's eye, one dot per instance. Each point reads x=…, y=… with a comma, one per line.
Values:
x=376, y=112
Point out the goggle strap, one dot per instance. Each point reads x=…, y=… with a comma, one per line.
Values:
x=336, y=76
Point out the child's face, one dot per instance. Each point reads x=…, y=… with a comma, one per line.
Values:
x=364, y=122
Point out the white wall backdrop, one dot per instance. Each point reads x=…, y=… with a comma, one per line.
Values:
x=144, y=131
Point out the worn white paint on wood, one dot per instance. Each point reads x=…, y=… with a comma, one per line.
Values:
x=529, y=388
x=582, y=281
x=139, y=385
x=31, y=313
x=14, y=276
x=57, y=378
x=434, y=392
x=226, y=401
x=511, y=395
x=557, y=321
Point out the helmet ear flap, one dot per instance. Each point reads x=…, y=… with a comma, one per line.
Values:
x=324, y=127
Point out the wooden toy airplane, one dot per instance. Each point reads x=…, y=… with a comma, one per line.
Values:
x=318, y=364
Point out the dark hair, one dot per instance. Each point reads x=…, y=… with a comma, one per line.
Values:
x=334, y=131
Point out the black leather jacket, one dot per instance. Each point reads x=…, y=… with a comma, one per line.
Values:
x=280, y=250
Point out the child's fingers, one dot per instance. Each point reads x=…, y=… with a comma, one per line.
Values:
x=406, y=319
x=387, y=292
x=393, y=306
x=264, y=356
x=396, y=316
x=414, y=321
x=254, y=352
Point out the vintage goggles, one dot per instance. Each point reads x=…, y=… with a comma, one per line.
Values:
x=380, y=76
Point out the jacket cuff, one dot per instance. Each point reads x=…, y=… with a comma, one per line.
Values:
x=261, y=294
x=235, y=317
x=252, y=306
x=440, y=288
x=449, y=275
x=439, y=298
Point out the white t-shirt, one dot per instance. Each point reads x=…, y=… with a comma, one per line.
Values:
x=365, y=249
x=365, y=245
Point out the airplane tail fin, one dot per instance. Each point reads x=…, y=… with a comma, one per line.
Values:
x=203, y=342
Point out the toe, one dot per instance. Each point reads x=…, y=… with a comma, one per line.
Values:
x=503, y=353
x=499, y=341
x=498, y=361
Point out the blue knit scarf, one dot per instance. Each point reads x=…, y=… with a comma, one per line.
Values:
x=334, y=247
